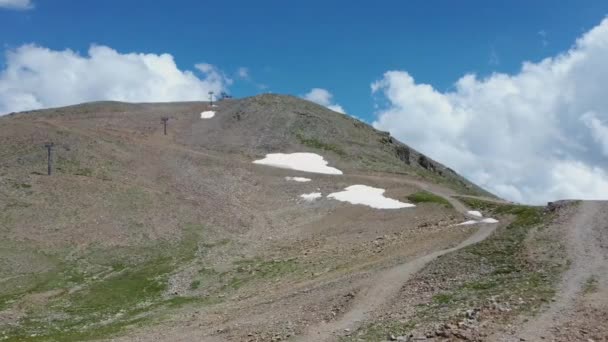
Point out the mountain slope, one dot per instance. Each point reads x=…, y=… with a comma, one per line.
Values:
x=144, y=236
x=264, y=124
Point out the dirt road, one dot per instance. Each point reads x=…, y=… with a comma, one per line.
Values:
x=384, y=287
x=586, y=239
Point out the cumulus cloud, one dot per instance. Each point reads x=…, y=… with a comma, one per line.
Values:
x=324, y=98
x=538, y=135
x=16, y=4
x=37, y=77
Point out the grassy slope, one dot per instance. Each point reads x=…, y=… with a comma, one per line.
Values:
x=91, y=306
x=497, y=269
x=427, y=197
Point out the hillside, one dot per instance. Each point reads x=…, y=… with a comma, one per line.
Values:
x=144, y=236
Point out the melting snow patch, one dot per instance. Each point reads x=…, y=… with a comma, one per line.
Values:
x=467, y=223
x=311, y=196
x=308, y=162
x=474, y=213
x=366, y=195
x=298, y=179
x=485, y=220
x=207, y=114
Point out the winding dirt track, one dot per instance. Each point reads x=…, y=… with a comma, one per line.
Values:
x=384, y=287
x=586, y=239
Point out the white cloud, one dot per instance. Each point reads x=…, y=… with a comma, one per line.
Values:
x=243, y=73
x=324, y=98
x=494, y=58
x=598, y=130
x=37, y=77
x=16, y=4
x=534, y=136
x=543, y=36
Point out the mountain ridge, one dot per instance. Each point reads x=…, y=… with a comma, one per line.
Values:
x=243, y=127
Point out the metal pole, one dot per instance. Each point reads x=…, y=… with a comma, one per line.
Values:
x=164, y=120
x=211, y=98
x=49, y=146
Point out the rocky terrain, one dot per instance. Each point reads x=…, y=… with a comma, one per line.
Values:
x=142, y=236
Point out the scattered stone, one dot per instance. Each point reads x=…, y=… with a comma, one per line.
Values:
x=442, y=333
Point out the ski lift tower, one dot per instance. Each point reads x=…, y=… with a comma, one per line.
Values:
x=164, y=119
x=49, y=147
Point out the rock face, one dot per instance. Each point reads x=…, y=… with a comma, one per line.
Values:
x=425, y=163
x=403, y=153
x=555, y=206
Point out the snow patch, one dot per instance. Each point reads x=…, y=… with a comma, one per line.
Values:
x=298, y=179
x=308, y=162
x=467, y=223
x=367, y=195
x=207, y=114
x=311, y=196
x=474, y=213
x=485, y=220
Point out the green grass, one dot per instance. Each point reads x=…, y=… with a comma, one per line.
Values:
x=478, y=204
x=250, y=270
x=443, y=298
x=126, y=293
x=317, y=144
x=131, y=290
x=427, y=197
x=590, y=285
x=128, y=288
x=195, y=284
x=72, y=166
x=100, y=308
x=502, y=267
x=22, y=185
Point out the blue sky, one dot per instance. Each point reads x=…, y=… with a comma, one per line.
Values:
x=337, y=45
x=511, y=94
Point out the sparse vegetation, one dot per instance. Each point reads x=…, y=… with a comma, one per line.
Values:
x=72, y=166
x=317, y=144
x=195, y=284
x=427, y=197
x=135, y=228
x=249, y=270
x=507, y=274
x=109, y=300
x=590, y=285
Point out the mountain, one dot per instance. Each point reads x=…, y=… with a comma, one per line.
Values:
x=138, y=235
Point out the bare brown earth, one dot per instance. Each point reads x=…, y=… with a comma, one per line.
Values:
x=140, y=236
